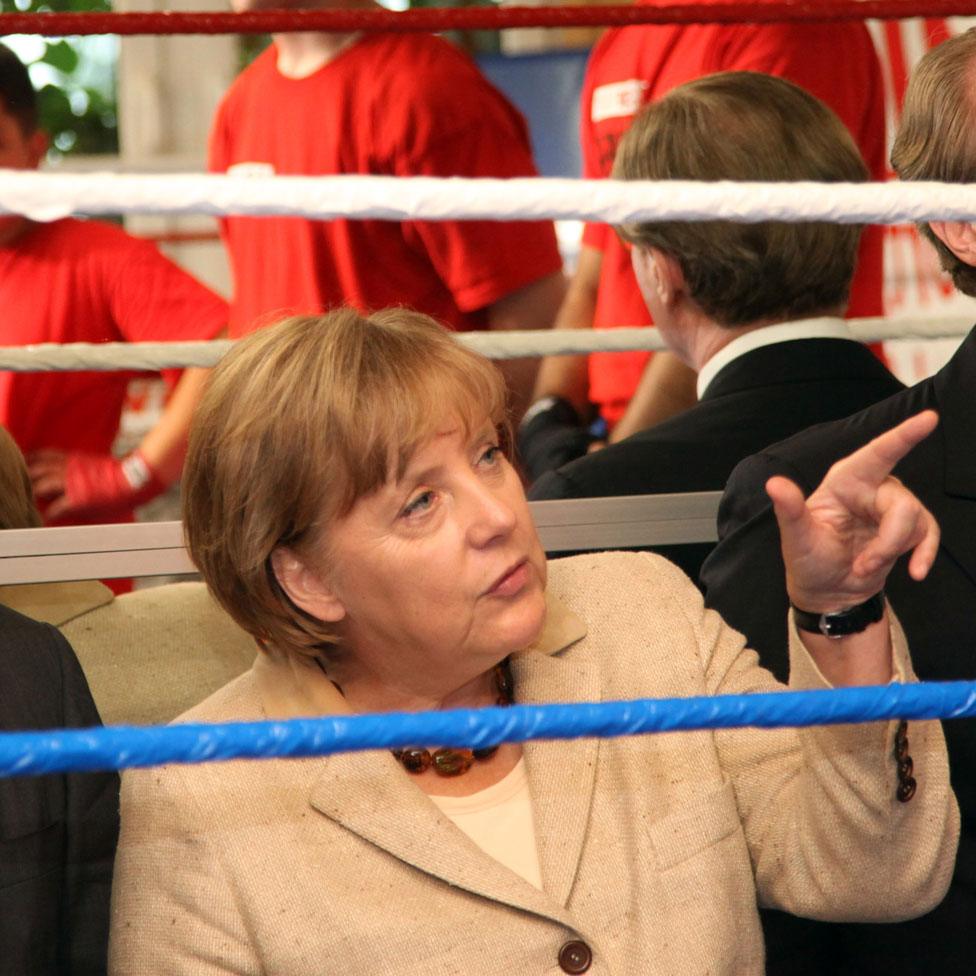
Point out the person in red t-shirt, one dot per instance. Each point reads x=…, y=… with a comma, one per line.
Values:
x=386, y=104
x=85, y=281
x=836, y=62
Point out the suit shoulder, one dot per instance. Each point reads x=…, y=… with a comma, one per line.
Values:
x=29, y=647
x=811, y=452
x=41, y=681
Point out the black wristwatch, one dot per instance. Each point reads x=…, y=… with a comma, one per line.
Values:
x=842, y=623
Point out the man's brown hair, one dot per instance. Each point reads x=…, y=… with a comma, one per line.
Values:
x=937, y=136
x=740, y=125
x=299, y=421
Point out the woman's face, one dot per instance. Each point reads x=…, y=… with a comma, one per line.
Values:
x=436, y=577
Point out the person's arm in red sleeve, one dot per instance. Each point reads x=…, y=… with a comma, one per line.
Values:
x=78, y=484
x=566, y=376
x=152, y=299
x=534, y=306
x=555, y=430
x=667, y=387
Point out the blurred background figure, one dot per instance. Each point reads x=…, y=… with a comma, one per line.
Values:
x=88, y=281
x=392, y=105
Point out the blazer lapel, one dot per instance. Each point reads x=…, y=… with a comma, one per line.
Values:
x=369, y=794
x=561, y=772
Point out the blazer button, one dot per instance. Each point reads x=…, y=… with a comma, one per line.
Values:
x=575, y=957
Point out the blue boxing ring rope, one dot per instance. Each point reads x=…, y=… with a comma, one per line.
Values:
x=123, y=747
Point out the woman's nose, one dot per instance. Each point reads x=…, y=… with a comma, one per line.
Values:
x=492, y=516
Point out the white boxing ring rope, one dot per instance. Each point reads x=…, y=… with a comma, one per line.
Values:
x=108, y=356
x=48, y=196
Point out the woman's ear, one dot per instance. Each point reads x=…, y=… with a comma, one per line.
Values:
x=305, y=587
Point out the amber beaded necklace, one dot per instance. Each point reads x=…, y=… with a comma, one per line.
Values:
x=454, y=762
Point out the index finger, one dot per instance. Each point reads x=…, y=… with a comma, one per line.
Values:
x=878, y=457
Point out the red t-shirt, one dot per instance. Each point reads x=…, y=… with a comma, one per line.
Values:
x=836, y=62
x=400, y=105
x=85, y=281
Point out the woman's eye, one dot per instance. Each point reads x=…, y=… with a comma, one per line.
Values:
x=492, y=455
x=420, y=504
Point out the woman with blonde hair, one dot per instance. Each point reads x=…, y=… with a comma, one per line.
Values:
x=349, y=500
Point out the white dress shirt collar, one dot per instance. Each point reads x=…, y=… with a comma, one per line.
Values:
x=826, y=327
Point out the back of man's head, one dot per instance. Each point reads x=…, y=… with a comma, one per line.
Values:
x=17, y=95
x=740, y=125
x=937, y=136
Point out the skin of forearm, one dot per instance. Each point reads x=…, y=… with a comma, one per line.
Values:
x=567, y=376
x=667, y=387
x=164, y=447
x=860, y=659
x=533, y=307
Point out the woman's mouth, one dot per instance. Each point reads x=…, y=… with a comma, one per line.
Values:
x=512, y=581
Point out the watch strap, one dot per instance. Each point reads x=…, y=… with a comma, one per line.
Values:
x=842, y=623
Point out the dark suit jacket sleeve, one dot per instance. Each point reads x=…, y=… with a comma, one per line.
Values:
x=553, y=485
x=92, y=818
x=57, y=833
x=744, y=578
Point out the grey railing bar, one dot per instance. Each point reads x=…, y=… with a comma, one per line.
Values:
x=148, y=549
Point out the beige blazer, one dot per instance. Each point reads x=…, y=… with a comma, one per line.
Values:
x=148, y=655
x=653, y=849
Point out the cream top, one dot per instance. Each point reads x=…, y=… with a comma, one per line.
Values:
x=499, y=820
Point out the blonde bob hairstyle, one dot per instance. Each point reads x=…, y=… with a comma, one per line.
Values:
x=298, y=422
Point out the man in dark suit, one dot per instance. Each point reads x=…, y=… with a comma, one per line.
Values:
x=743, y=577
x=57, y=833
x=755, y=309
